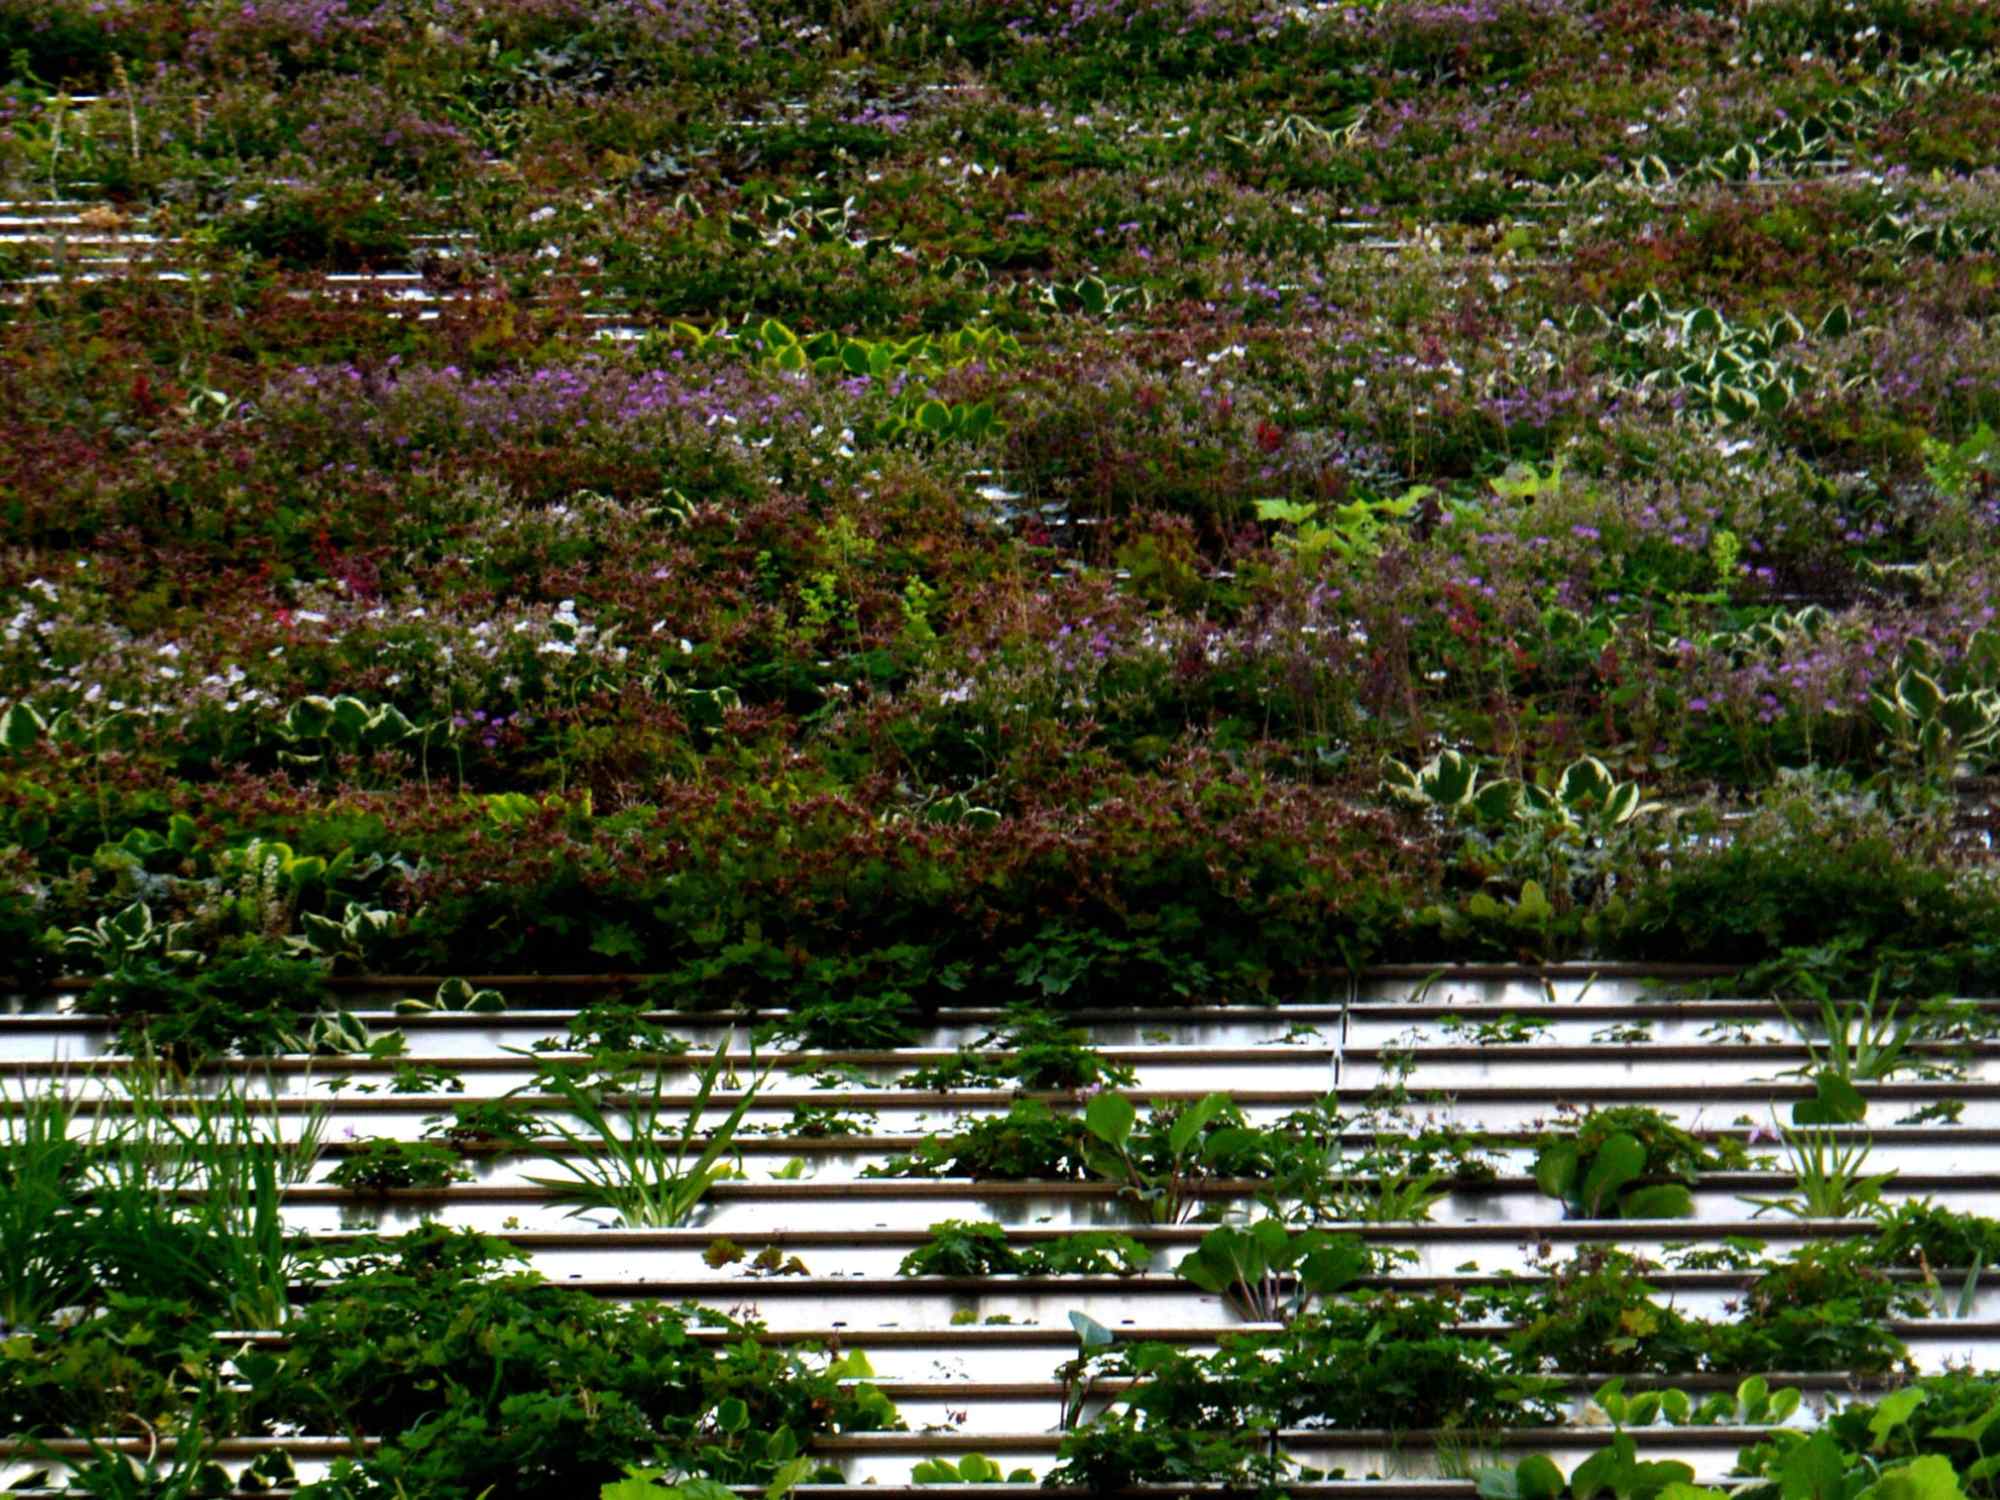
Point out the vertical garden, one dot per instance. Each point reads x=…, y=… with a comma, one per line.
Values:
x=1172, y=743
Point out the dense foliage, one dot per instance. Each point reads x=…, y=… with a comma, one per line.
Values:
x=1036, y=517
x=848, y=509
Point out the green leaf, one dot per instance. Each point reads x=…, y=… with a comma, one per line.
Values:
x=1538, y=1478
x=1892, y=1412
x=635, y=1489
x=1622, y=804
x=617, y=940
x=1533, y=905
x=1928, y=1478
x=1294, y=513
x=1556, y=1169
x=1835, y=1101
x=1732, y=402
x=1190, y=1125
x=1813, y=1470
x=1585, y=780
x=1920, y=692
x=1343, y=1260
x=1965, y=1432
x=1620, y=1159
x=1110, y=1118
x=934, y=417
x=20, y=727
x=1665, y=1200
x=1603, y=1469
x=732, y=1414
x=1449, y=779
x=1497, y=801
x=977, y=421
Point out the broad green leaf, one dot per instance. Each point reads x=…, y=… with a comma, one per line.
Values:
x=1497, y=801
x=20, y=727
x=1536, y=1477
x=1835, y=1101
x=1188, y=1128
x=1533, y=905
x=1813, y=1470
x=1921, y=692
x=1620, y=1159
x=1110, y=1117
x=1335, y=1265
x=1608, y=1468
x=1663, y=1200
x=1449, y=779
x=1556, y=1169
x=1734, y=403
x=1584, y=780
x=1893, y=1411
x=1928, y=1478
x=636, y=1489
x=1622, y=803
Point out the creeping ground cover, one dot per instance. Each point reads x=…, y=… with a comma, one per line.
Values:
x=936, y=741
